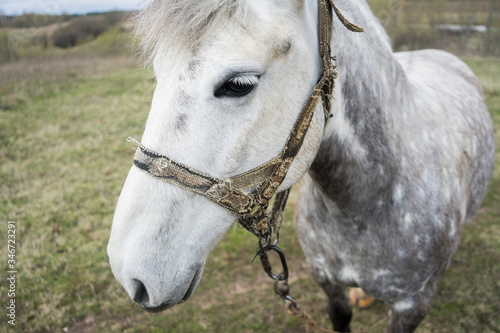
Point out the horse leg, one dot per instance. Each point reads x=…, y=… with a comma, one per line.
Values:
x=339, y=308
x=406, y=315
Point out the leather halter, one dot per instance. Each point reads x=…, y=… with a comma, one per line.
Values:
x=249, y=193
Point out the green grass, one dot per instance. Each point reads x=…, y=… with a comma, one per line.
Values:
x=64, y=159
x=59, y=186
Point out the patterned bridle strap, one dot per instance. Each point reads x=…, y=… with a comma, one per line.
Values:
x=249, y=193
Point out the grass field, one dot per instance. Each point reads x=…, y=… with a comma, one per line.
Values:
x=63, y=161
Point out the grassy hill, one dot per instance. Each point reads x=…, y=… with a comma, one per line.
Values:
x=33, y=36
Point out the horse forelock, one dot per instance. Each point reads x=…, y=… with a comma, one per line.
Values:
x=181, y=21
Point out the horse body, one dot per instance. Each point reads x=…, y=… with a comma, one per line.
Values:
x=403, y=165
x=399, y=169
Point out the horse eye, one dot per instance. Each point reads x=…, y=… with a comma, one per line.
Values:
x=237, y=86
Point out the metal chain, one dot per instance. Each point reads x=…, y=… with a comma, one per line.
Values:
x=282, y=289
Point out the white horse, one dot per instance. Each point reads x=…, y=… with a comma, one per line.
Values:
x=390, y=182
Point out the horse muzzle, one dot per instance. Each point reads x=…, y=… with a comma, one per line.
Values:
x=139, y=293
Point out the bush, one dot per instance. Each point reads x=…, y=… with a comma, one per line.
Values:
x=40, y=39
x=36, y=20
x=79, y=30
x=414, y=38
x=113, y=18
x=422, y=24
x=8, y=48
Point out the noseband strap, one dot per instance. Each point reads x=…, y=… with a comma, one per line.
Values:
x=249, y=193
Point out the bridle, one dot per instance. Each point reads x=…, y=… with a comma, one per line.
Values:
x=249, y=194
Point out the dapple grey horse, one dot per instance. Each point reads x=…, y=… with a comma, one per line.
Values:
x=389, y=183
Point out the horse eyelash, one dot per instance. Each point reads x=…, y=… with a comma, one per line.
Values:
x=245, y=80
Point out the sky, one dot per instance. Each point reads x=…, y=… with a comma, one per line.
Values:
x=17, y=7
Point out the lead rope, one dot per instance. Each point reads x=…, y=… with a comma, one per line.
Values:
x=306, y=319
x=281, y=287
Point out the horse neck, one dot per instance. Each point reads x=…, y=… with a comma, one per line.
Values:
x=357, y=150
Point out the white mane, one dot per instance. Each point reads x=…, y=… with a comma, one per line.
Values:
x=185, y=21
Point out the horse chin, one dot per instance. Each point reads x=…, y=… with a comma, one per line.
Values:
x=192, y=286
x=160, y=308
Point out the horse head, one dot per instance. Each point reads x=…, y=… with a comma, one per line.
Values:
x=232, y=77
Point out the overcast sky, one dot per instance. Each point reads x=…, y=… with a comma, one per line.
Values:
x=17, y=7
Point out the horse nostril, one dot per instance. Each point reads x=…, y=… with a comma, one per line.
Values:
x=141, y=296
